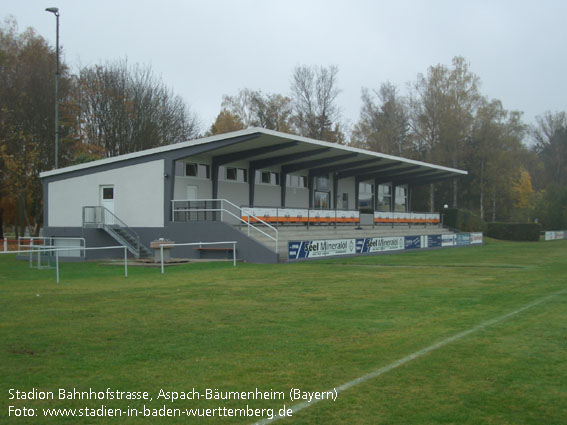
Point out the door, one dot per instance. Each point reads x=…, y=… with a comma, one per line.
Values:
x=107, y=198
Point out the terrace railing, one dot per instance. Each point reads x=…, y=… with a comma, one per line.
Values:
x=223, y=210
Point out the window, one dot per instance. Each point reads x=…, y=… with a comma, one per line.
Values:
x=237, y=174
x=107, y=193
x=269, y=177
x=191, y=170
x=201, y=171
x=322, y=193
x=296, y=181
x=231, y=173
x=365, y=195
x=384, y=201
x=401, y=198
x=322, y=200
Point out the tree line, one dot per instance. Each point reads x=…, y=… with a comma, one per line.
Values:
x=517, y=172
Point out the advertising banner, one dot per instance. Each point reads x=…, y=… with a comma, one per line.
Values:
x=261, y=213
x=333, y=247
x=448, y=240
x=412, y=242
x=463, y=239
x=322, y=248
x=560, y=235
x=434, y=241
x=476, y=238
x=292, y=214
x=380, y=244
x=348, y=216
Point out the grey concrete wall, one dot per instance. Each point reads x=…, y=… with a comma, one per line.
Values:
x=296, y=197
x=247, y=249
x=347, y=186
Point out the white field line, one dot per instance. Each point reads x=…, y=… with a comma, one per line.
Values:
x=300, y=406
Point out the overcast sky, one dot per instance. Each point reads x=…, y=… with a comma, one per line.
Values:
x=204, y=49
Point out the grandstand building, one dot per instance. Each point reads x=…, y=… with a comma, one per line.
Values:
x=267, y=190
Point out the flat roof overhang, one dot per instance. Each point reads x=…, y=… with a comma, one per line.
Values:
x=294, y=154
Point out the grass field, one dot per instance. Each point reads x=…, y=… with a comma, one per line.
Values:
x=312, y=326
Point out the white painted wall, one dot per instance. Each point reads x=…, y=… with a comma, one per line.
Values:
x=138, y=195
x=267, y=195
x=297, y=197
x=235, y=192
x=204, y=187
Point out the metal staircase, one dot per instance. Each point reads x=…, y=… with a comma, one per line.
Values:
x=101, y=218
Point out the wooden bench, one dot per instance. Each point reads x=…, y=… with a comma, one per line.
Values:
x=229, y=250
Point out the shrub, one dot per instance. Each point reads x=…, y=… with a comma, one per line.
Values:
x=514, y=231
x=462, y=220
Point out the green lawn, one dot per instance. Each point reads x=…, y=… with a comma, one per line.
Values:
x=313, y=326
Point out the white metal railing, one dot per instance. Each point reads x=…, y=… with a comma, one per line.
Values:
x=53, y=242
x=199, y=244
x=39, y=249
x=222, y=209
x=303, y=215
x=97, y=216
x=406, y=217
x=101, y=218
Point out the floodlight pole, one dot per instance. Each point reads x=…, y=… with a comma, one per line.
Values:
x=55, y=11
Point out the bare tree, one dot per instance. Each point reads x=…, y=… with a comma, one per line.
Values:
x=255, y=109
x=314, y=93
x=443, y=105
x=384, y=122
x=550, y=137
x=125, y=109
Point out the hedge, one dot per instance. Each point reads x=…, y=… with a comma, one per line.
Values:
x=514, y=231
x=462, y=220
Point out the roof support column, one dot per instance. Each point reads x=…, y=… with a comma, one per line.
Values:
x=283, y=187
x=356, y=193
x=169, y=186
x=393, y=206
x=336, y=190
x=251, y=186
x=215, y=180
x=310, y=185
x=215, y=189
x=455, y=193
x=376, y=184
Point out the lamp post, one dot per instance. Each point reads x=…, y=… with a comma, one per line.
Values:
x=55, y=11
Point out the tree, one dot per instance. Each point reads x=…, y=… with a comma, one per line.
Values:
x=27, y=101
x=314, y=94
x=494, y=154
x=442, y=109
x=225, y=123
x=550, y=137
x=551, y=208
x=255, y=109
x=384, y=122
x=124, y=109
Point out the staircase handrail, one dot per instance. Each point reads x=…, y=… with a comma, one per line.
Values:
x=107, y=219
